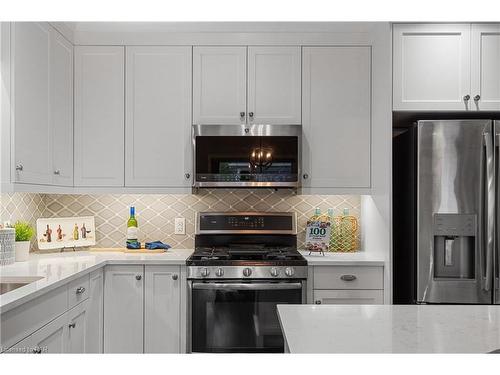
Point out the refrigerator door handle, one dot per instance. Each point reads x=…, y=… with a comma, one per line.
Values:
x=490, y=210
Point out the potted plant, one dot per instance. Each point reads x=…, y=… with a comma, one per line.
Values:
x=24, y=233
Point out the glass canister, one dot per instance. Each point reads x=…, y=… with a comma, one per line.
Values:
x=7, y=246
x=345, y=232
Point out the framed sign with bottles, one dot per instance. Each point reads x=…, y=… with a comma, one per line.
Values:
x=61, y=232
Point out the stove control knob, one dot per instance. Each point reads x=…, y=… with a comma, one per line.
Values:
x=205, y=272
x=289, y=271
x=219, y=272
x=274, y=271
x=247, y=272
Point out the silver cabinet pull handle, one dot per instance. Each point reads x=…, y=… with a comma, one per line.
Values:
x=187, y=175
x=477, y=98
x=305, y=176
x=138, y=277
x=19, y=167
x=242, y=114
x=175, y=277
x=250, y=114
x=348, y=277
x=467, y=97
x=37, y=350
x=57, y=172
x=317, y=302
x=72, y=325
x=80, y=290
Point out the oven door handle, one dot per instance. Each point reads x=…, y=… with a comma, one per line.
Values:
x=245, y=286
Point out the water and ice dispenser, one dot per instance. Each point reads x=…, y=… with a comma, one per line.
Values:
x=454, y=246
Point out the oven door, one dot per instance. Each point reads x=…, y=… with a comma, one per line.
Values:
x=238, y=317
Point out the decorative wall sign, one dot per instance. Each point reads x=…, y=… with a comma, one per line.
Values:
x=318, y=235
x=59, y=232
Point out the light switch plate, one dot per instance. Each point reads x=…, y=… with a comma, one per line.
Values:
x=180, y=225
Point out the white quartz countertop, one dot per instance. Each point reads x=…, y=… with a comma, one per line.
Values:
x=360, y=258
x=390, y=328
x=57, y=269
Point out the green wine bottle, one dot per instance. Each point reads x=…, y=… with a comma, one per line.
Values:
x=132, y=227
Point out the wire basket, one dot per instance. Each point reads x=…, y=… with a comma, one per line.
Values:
x=345, y=232
x=7, y=248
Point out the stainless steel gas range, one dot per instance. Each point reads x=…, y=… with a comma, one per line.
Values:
x=244, y=264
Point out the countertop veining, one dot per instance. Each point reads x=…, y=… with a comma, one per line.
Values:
x=391, y=328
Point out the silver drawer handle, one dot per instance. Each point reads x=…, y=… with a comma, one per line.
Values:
x=138, y=277
x=175, y=277
x=317, y=302
x=348, y=277
x=19, y=167
x=80, y=290
x=37, y=350
x=72, y=325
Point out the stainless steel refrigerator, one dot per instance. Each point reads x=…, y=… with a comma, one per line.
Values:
x=456, y=208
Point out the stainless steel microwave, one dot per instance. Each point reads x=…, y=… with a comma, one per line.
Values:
x=247, y=155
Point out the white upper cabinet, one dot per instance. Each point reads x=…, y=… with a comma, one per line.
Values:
x=30, y=92
x=99, y=116
x=226, y=92
x=158, y=117
x=61, y=108
x=274, y=85
x=219, y=85
x=431, y=67
x=42, y=115
x=336, y=104
x=485, y=69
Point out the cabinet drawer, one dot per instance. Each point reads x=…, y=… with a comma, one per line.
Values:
x=78, y=291
x=348, y=277
x=21, y=321
x=348, y=297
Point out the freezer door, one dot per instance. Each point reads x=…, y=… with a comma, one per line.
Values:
x=496, y=262
x=455, y=224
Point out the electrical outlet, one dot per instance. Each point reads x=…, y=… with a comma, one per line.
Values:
x=180, y=225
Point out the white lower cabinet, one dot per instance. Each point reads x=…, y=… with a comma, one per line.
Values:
x=95, y=312
x=162, y=309
x=348, y=297
x=65, y=334
x=78, y=319
x=51, y=338
x=347, y=285
x=124, y=309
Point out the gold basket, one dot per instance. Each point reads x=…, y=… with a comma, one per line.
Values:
x=344, y=237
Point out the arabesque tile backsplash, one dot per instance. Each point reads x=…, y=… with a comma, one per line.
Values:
x=156, y=212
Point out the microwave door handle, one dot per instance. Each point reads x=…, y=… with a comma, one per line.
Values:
x=489, y=208
x=244, y=286
x=496, y=255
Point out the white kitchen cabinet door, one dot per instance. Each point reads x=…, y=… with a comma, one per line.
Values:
x=348, y=297
x=95, y=312
x=219, y=85
x=336, y=105
x=51, y=338
x=162, y=309
x=31, y=129
x=77, y=328
x=485, y=76
x=123, y=309
x=99, y=116
x=431, y=67
x=274, y=85
x=158, y=117
x=61, y=108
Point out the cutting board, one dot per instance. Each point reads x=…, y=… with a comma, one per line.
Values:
x=125, y=250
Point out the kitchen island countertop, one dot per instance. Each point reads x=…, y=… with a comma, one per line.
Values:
x=390, y=328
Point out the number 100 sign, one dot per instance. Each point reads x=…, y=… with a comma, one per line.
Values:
x=318, y=235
